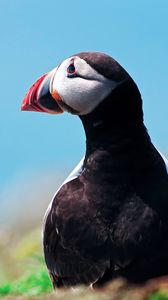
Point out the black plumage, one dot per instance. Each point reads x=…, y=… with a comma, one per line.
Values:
x=111, y=219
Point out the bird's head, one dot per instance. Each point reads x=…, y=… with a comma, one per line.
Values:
x=78, y=85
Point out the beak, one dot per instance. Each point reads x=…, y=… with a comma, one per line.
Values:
x=40, y=99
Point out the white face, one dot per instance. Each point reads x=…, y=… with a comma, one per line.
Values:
x=80, y=86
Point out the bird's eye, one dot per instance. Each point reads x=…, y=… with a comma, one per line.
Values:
x=71, y=70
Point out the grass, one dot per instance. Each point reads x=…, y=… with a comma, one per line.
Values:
x=23, y=271
x=23, y=276
x=158, y=296
x=32, y=284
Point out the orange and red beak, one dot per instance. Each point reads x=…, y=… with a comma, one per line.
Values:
x=39, y=97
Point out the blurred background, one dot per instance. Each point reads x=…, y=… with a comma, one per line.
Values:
x=37, y=151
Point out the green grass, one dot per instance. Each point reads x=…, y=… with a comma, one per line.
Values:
x=158, y=296
x=22, y=267
x=34, y=282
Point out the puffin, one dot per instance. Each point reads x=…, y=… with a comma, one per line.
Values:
x=109, y=218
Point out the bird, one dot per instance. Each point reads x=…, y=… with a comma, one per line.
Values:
x=109, y=219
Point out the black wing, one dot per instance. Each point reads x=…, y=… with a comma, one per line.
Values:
x=74, y=246
x=140, y=242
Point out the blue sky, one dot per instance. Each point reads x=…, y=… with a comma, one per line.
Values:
x=36, y=35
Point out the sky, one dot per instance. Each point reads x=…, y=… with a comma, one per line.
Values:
x=37, y=35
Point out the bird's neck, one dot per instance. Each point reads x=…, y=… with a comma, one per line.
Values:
x=119, y=156
x=115, y=133
x=121, y=140
x=117, y=118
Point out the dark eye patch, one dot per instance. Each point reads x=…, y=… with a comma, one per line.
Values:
x=71, y=71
